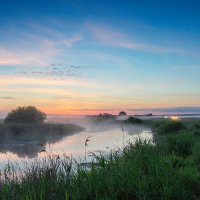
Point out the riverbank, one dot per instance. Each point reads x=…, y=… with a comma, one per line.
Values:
x=165, y=168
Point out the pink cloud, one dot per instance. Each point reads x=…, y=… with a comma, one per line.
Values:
x=43, y=52
x=24, y=57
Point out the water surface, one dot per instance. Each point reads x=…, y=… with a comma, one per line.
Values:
x=104, y=137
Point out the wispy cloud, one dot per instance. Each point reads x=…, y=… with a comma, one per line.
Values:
x=36, y=44
x=41, y=57
x=163, y=110
x=114, y=37
x=58, y=71
x=44, y=52
x=186, y=67
x=146, y=47
x=11, y=80
x=67, y=42
x=7, y=98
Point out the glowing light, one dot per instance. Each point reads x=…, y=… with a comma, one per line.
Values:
x=175, y=118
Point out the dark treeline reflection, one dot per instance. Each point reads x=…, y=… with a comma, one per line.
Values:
x=29, y=139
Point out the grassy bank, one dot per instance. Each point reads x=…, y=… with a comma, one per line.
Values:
x=169, y=168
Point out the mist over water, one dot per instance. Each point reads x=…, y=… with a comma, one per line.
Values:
x=104, y=137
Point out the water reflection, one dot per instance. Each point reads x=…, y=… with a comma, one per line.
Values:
x=22, y=150
x=29, y=140
x=105, y=136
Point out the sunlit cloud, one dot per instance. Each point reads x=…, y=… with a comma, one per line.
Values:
x=40, y=57
x=6, y=80
x=7, y=98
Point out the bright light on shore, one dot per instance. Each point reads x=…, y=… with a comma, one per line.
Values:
x=174, y=118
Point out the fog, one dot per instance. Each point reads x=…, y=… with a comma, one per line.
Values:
x=105, y=134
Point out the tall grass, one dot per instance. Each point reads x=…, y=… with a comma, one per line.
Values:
x=169, y=126
x=166, y=169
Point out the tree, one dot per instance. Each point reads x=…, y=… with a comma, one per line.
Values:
x=105, y=116
x=122, y=113
x=29, y=114
x=134, y=120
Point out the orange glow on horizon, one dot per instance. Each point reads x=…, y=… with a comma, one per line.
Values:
x=80, y=96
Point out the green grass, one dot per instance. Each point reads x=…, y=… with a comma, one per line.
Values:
x=169, y=168
x=169, y=126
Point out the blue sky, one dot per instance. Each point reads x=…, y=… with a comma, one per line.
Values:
x=74, y=57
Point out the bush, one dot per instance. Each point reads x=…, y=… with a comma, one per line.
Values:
x=196, y=155
x=196, y=129
x=134, y=120
x=197, y=126
x=170, y=127
x=29, y=114
x=180, y=144
x=122, y=113
x=104, y=116
x=176, y=161
x=190, y=178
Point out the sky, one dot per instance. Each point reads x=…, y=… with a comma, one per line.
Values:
x=88, y=56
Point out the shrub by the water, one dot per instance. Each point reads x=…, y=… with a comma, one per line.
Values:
x=29, y=114
x=122, y=113
x=104, y=117
x=134, y=120
x=180, y=144
x=169, y=127
x=196, y=129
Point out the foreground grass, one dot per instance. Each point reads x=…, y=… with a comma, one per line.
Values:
x=169, y=168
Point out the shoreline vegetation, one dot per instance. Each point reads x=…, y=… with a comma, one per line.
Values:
x=27, y=140
x=34, y=131
x=26, y=127
x=166, y=167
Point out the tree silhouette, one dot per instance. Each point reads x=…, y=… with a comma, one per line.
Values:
x=122, y=113
x=29, y=114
